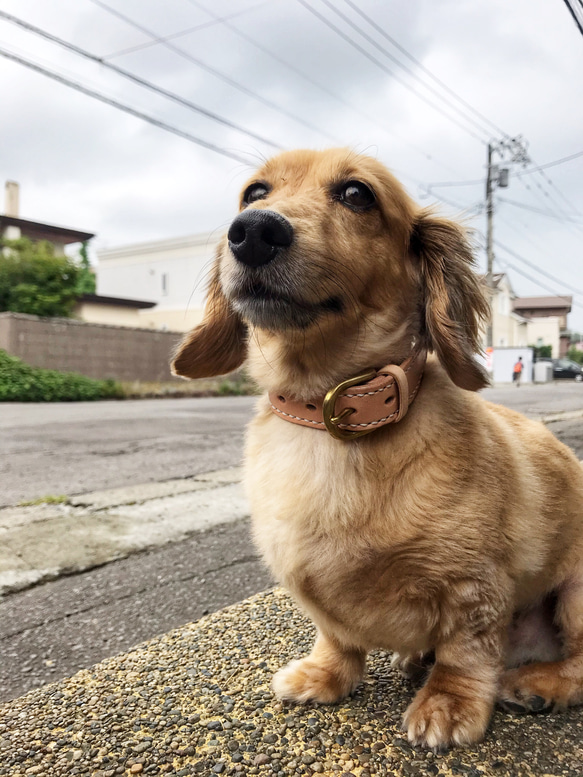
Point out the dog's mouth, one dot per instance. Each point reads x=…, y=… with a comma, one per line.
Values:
x=272, y=308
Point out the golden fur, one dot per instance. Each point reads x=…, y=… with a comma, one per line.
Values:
x=451, y=532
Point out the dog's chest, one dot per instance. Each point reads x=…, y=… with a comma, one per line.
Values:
x=366, y=596
x=315, y=513
x=306, y=492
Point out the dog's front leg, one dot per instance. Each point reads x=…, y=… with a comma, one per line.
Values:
x=329, y=673
x=455, y=704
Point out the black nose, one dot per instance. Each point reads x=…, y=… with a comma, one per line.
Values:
x=256, y=236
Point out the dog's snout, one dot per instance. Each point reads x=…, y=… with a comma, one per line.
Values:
x=256, y=236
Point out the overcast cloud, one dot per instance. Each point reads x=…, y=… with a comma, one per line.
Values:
x=87, y=165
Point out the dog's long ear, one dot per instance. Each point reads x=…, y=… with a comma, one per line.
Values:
x=218, y=344
x=454, y=304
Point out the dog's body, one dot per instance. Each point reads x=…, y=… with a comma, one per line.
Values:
x=458, y=530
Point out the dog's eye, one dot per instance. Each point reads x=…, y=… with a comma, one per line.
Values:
x=356, y=195
x=256, y=191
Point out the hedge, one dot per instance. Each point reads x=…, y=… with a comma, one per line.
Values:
x=19, y=382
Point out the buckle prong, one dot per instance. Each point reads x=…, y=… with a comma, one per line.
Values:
x=332, y=421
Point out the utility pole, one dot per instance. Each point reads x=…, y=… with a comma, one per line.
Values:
x=489, y=244
x=515, y=149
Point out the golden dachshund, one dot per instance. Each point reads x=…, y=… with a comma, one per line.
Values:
x=401, y=510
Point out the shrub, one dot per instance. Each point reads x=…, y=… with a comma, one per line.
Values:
x=19, y=382
x=542, y=351
x=575, y=355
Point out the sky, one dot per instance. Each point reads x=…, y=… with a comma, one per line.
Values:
x=423, y=86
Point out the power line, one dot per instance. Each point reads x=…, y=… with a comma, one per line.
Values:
x=530, y=171
x=380, y=65
x=396, y=61
x=421, y=66
x=550, y=214
x=542, y=194
x=573, y=12
x=216, y=20
x=440, y=184
x=136, y=79
x=524, y=230
x=538, y=269
x=553, y=189
x=539, y=283
x=123, y=107
x=315, y=83
x=551, y=164
x=513, y=253
x=213, y=71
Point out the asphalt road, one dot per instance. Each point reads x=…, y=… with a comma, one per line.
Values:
x=54, y=629
x=72, y=448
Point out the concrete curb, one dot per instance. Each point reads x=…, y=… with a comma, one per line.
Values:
x=197, y=701
x=567, y=415
x=42, y=542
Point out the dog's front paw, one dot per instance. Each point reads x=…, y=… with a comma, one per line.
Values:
x=305, y=681
x=440, y=720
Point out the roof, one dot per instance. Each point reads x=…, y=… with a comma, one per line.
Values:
x=39, y=231
x=528, y=303
x=497, y=279
x=117, y=301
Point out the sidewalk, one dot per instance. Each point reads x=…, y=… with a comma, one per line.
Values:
x=197, y=701
x=93, y=529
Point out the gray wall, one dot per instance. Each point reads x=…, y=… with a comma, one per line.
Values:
x=96, y=350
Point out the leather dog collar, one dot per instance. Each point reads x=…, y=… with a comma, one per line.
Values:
x=358, y=405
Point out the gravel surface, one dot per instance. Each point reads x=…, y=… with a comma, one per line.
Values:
x=197, y=701
x=52, y=631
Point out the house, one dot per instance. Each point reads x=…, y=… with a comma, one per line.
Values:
x=116, y=311
x=171, y=273
x=91, y=308
x=12, y=227
x=521, y=321
x=509, y=329
x=547, y=321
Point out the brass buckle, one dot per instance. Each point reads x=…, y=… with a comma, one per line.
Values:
x=331, y=421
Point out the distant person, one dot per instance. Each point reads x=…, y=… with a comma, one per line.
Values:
x=517, y=371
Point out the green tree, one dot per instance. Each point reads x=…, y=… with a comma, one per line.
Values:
x=575, y=355
x=86, y=280
x=33, y=280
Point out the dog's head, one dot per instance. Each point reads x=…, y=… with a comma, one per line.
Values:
x=331, y=266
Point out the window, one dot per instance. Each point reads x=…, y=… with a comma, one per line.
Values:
x=164, y=283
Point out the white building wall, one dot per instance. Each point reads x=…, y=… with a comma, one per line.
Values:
x=174, y=273
x=545, y=331
x=116, y=315
x=170, y=320
x=508, y=329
